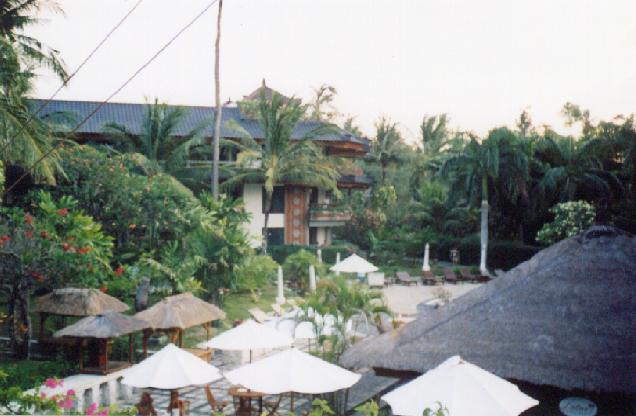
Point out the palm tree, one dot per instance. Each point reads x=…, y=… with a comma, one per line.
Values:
x=386, y=148
x=321, y=106
x=160, y=142
x=15, y=16
x=434, y=134
x=279, y=159
x=570, y=171
x=469, y=172
x=216, y=139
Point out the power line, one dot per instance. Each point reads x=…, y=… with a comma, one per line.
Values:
x=65, y=82
x=133, y=76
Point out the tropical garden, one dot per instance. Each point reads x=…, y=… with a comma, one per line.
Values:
x=130, y=210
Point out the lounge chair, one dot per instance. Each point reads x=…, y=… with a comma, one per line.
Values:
x=405, y=278
x=428, y=278
x=450, y=276
x=278, y=310
x=216, y=405
x=480, y=278
x=466, y=275
x=258, y=315
x=375, y=279
x=272, y=405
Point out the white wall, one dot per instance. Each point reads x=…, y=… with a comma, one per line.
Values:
x=252, y=195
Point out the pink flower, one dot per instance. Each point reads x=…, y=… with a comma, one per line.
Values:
x=51, y=383
x=42, y=395
x=62, y=212
x=70, y=392
x=90, y=411
x=67, y=403
x=103, y=413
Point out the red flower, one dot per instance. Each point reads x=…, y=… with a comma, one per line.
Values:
x=66, y=246
x=103, y=289
x=44, y=234
x=37, y=276
x=28, y=234
x=62, y=212
x=84, y=250
x=119, y=270
x=28, y=218
x=5, y=238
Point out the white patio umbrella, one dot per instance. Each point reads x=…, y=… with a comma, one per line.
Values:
x=354, y=264
x=293, y=371
x=170, y=368
x=249, y=335
x=293, y=328
x=280, y=297
x=425, y=265
x=463, y=389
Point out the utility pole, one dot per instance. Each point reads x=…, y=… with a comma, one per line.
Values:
x=219, y=109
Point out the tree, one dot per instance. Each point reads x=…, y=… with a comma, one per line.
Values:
x=279, y=159
x=15, y=16
x=351, y=127
x=386, y=148
x=321, y=106
x=216, y=140
x=434, y=134
x=570, y=218
x=469, y=173
x=160, y=142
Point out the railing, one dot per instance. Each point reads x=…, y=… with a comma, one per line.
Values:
x=334, y=214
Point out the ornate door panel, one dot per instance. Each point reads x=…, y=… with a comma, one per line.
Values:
x=295, y=214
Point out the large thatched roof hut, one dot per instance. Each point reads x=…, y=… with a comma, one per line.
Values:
x=176, y=313
x=566, y=318
x=78, y=302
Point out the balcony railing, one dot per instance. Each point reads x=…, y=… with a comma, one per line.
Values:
x=328, y=215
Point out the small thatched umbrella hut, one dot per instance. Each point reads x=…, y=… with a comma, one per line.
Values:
x=176, y=313
x=103, y=328
x=565, y=318
x=75, y=302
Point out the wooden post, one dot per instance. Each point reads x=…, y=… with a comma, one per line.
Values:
x=292, y=401
x=180, y=332
x=43, y=317
x=144, y=341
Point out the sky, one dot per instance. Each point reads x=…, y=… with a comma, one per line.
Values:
x=481, y=62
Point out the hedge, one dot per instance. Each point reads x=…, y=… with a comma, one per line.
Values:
x=501, y=254
x=280, y=252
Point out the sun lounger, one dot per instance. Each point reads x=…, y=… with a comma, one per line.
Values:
x=375, y=279
x=466, y=276
x=278, y=310
x=258, y=315
x=482, y=278
x=428, y=278
x=450, y=276
x=405, y=278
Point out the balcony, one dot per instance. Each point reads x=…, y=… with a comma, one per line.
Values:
x=328, y=215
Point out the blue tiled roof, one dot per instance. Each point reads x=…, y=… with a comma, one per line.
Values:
x=131, y=116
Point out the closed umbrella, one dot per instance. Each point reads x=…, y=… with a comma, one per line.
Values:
x=249, y=335
x=354, y=264
x=463, y=389
x=293, y=371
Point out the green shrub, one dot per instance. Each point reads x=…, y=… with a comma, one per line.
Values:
x=570, y=218
x=255, y=273
x=296, y=268
x=501, y=254
x=28, y=374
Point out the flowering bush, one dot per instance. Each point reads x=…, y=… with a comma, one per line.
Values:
x=570, y=218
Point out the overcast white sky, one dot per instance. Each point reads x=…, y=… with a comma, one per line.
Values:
x=481, y=62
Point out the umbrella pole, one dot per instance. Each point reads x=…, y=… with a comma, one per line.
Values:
x=180, y=338
x=292, y=402
x=250, y=356
x=130, y=348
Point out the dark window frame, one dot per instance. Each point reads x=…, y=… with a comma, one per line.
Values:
x=278, y=200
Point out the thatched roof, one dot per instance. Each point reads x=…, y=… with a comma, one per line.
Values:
x=78, y=302
x=108, y=325
x=180, y=311
x=566, y=317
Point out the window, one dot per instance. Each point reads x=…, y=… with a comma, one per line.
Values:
x=313, y=236
x=313, y=199
x=275, y=236
x=278, y=200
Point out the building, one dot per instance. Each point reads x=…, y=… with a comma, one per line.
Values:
x=299, y=215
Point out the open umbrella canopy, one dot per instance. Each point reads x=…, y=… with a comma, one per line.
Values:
x=354, y=264
x=78, y=302
x=180, y=311
x=108, y=325
x=462, y=388
x=293, y=328
x=249, y=335
x=170, y=368
x=293, y=371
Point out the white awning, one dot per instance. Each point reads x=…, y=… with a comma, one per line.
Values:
x=354, y=264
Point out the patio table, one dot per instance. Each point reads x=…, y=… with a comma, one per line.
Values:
x=245, y=397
